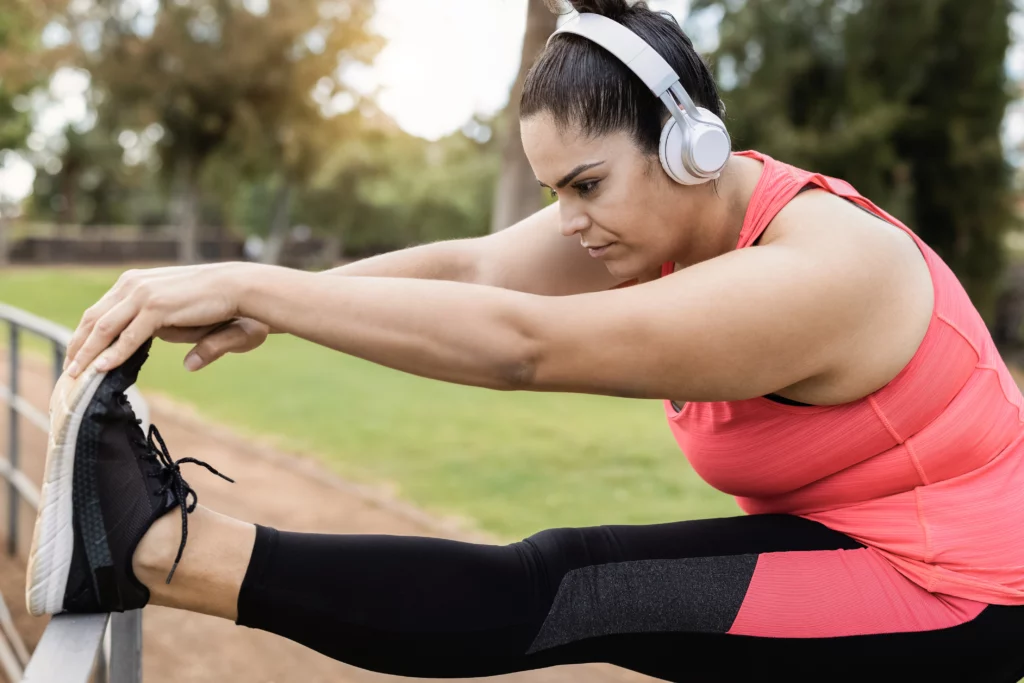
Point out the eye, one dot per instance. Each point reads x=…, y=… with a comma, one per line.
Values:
x=587, y=187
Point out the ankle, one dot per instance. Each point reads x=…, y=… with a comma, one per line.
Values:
x=212, y=567
x=154, y=556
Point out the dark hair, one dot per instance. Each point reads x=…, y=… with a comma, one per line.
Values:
x=580, y=84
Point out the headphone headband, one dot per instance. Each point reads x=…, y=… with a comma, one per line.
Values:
x=631, y=50
x=702, y=140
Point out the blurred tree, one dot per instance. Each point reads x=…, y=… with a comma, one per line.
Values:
x=517, y=194
x=385, y=189
x=93, y=184
x=231, y=76
x=24, y=63
x=902, y=99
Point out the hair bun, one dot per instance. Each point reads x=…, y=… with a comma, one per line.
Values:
x=613, y=9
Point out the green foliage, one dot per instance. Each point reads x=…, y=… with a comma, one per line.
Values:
x=221, y=79
x=386, y=190
x=383, y=189
x=22, y=64
x=93, y=185
x=14, y=125
x=902, y=99
x=245, y=104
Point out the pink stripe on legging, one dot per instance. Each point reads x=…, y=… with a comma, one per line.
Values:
x=829, y=593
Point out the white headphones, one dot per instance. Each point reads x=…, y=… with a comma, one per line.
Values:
x=694, y=142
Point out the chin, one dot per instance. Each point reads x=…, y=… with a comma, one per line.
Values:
x=624, y=270
x=629, y=264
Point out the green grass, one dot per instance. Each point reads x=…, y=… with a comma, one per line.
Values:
x=513, y=462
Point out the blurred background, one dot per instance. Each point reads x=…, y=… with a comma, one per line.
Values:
x=308, y=133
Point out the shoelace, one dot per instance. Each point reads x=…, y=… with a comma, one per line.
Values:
x=170, y=472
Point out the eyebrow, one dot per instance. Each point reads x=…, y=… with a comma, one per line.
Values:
x=572, y=174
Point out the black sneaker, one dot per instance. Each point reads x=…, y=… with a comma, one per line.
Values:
x=104, y=485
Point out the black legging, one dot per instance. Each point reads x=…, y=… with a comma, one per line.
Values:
x=658, y=599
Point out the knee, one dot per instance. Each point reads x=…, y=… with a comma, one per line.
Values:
x=553, y=553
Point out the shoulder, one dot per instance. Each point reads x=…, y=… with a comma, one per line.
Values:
x=879, y=275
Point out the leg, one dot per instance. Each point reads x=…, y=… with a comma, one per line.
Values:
x=212, y=566
x=711, y=600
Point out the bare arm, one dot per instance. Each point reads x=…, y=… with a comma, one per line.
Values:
x=702, y=334
x=454, y=260
x=530, y=256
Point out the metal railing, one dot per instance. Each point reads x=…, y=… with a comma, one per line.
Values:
x=73, y=647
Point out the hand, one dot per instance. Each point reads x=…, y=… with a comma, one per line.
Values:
x=238, y=335
x=144, y=303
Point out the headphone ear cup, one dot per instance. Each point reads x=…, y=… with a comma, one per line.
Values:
x=670, y=150
x=712, y=145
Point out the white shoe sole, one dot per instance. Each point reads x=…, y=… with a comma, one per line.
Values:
x=49, y=560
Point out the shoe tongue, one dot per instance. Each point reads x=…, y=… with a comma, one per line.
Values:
x=125, y=375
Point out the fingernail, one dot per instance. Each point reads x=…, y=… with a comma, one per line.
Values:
x=73, y=369
x=101, y=363
x=193, y=362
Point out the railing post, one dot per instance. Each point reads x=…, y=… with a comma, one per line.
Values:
x=126, y=647
x=12, y=442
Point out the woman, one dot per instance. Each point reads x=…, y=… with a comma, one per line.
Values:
x=819, y=362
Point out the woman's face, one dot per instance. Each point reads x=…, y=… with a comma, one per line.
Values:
x=619, y=202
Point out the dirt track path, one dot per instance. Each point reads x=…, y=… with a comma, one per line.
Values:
x=272, y=488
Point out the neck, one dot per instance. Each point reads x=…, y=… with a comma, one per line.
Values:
x=721, y=211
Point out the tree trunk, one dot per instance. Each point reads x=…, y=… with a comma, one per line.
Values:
x=279, y=224
x=69, y=186
x=517, y=194
x=187, y=209
x=5, y=227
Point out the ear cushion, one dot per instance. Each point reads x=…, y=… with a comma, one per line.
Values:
x=707, y=142
x=670, y=150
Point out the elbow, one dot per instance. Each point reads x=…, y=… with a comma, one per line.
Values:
x=517, y=373
x=516, y=370
x=517, y=376
x=526, y=331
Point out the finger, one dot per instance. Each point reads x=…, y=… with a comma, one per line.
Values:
x=255, y=331
x=184, y=335
x=238, y=337
x=111, y=298
x=125, y=284
x=106, y=329
x=85, y=326
x=128, y=342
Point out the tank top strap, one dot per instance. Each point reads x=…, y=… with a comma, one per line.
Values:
x=778, y=184
x=843, y=189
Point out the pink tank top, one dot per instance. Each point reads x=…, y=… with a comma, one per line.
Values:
x=928, y=471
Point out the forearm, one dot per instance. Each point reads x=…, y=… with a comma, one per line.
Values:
x=453, y=260
x=462, y=333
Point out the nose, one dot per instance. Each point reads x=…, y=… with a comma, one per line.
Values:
x=571, y=221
